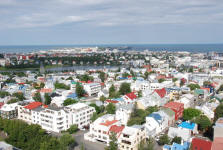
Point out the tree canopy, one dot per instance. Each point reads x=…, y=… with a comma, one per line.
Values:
x=79, y=90
x=69, y=101
x=110, y=108
x=218, y=112
x=193, y=86
x=203, y=122
x=191, y=113
x=125, y=88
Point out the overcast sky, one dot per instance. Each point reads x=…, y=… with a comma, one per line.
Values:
x=48, y=22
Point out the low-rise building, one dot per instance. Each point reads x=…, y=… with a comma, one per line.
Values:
x=92, y=88
x=178, y=108
x=9, y=111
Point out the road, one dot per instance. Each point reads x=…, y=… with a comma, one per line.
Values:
x=79, y=139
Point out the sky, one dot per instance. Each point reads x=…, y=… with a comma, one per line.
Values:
x=55, y=22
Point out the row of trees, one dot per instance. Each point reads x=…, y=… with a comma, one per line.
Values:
x=124, y=89
x=26, y=137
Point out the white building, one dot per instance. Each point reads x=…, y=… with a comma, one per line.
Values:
x=92, y=88
x=123, y=113
x=56, y=119
x=131, y=137
x=9, y=111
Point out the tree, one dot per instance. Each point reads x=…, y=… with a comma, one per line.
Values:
x=102, y=76
x=218, y=112
x=69, y=78
x=65, y=141
x=161, y=80
x=191, y=69
x=47, y=99
x=42, y=85
x=140, y=93
x=193, y=86
x=174, y=79
x=37, y=97
x=79, y=90
x=113, y=145
x=102, y=98
x=58, y=85
x=176, y=139
x=112, y=91
x=4, y=94
x=125, y=88
x=69, y=101
x=73, y=129
x=110, y=108
x=191, y=113
x=203, y=122
x=164, y=139
x=97, y=108
x=19, y=96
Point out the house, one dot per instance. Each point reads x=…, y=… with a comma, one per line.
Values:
x=130, y=97
x=157, y=98
x=170, y=115
x=9, y=111
x=217, y=143
x=123, y=113
x=198, y=144
x=100, y=128
x=218, y=128
x=131, y=137
x=184, y=133
x=92, y=88
x=104, y=93
x=176, y=146
x=190, y=126
x=155, y=123
x=178, y=108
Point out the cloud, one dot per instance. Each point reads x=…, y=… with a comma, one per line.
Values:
x=42, y=13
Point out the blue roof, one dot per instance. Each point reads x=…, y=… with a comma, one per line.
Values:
x=187, y=125
x=122, y=78
x=167, y=147
x=73, y=95
x=118, y=99
x=176, y=146
x=156, y=116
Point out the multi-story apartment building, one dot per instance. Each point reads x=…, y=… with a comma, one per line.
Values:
x=92, y=88
x=131, y=137
x=9, y=111
x=56, y=119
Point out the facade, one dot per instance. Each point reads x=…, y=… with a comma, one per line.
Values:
x=123, y=113
x=185, y=134
x=131, y=137
x=9, y=111
x=56, y=119
x=92, y=88
x=218, y=128
x=178, y=108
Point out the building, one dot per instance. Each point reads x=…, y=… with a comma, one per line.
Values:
x=176, y=146
x=217, y=143
x=185, y=134
x=92, y=88
x=9, y=111
x=123, y=113
x=178, y=108
x=131, y=137
x=56, y=119
x=218, y=128
x=198, y=144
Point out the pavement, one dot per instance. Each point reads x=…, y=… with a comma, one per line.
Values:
x=79, y=139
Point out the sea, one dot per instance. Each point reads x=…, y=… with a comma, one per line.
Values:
x=194, y=48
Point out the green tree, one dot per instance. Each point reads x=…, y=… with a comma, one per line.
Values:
x=69, y=78
x=47, y=99
x=218, y=112
x=73, y=129
x=161, y=80
x=42, y=85
x=58, y=85
x=19, y=96
x=66, y=140
x=176, y=139
x=203, y=122
x=110, y=108
x=206, y=83
x=140, y=93
x=79, y=90
x=102, y=98
x=164, y=139
x=174, y=79
x=4, y=94
x=113, y=144
x=191, y=113
x=102, y=76
x=191, y=69
x=37, y=97
x=125, y=88
x=69, y=101
x=112, y=91
x=193, y=86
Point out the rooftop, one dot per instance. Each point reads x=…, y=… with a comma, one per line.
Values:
x=116, y=129
x=161, y=92
x=108, y=122
x=173, y=105
x=34, y=105
x=187, y=125
x=198, y=144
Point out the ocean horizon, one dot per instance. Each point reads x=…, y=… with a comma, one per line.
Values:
x=139, y=47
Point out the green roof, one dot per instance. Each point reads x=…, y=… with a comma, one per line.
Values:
x=168, y=111
x=199, y=92
x=73, y=82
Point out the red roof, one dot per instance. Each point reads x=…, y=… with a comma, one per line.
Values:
x=108, y=123
x=116, y=129
x=198, y=144
x=21, y=83
x=112, y=101
x=161, y=92
x=46, y=90
x=1, y=104
x=131, y=95
x=174, y=105
x=217, y=143
x=34, y=105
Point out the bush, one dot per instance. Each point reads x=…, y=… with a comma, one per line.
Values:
x=73, y=129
